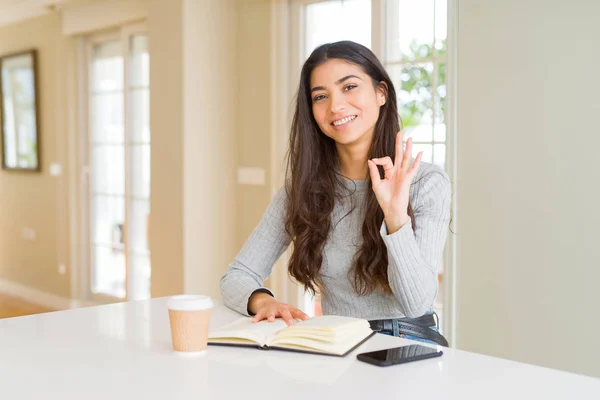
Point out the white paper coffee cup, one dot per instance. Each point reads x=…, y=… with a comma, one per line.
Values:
x=189, y=317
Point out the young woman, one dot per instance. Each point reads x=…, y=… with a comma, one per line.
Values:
x=367, y=222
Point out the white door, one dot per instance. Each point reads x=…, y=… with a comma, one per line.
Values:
x=118, y=166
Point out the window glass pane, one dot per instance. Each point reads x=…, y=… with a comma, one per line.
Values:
x=140, y=115
x=331, y=21
x=109, y=271
x=411, y=29
x=413, y=89
x=139, y=61
x=427, y=150
x=107, y=67
x=439, y=154
x=109, y=217
x=439, y=132
x=107, y=117
x=418, y=133
x=108, y=169
x=441, y=22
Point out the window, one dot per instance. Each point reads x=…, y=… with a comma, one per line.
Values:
x=413, y=50
x=415, y=58
x=118, y=165
x=331, y=21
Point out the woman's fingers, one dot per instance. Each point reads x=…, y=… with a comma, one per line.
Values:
x=399, y=151
x=407, y=158
x=374, y=172
x=387, y=164
x=287, y=316
x=258, y=317
x=299, y=314
x=416, y=164
x=281, y=310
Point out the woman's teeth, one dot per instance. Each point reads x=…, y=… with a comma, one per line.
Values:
x=344, y=120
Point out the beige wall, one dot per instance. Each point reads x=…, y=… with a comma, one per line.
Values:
x=166, y=121
x=210, y=122
x=528, y=193
x=194, y=102
x=225, y=63
x=38, y=200
x=265, y=100
x=255, y=103
x=85, y=17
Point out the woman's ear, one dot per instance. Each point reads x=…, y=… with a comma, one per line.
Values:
x=382, y=92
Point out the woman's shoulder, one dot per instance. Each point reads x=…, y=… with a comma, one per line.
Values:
x=430, y=186
x=431, y=173
x=279, y=198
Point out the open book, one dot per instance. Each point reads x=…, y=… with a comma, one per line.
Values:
x=331, y=334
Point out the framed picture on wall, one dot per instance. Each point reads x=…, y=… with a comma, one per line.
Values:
x=19, y=112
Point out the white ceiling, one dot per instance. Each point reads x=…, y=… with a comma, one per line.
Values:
x=12, y=11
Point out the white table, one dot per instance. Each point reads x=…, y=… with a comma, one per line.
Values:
x=123, y=351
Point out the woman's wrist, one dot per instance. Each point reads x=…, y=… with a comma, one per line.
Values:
x=395, y=222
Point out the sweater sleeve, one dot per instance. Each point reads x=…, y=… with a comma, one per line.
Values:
x=255, y=261
x=414, y=257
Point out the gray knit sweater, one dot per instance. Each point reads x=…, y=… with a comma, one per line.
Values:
x=414, y=257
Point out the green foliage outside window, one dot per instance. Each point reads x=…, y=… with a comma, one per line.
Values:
x=417, y=82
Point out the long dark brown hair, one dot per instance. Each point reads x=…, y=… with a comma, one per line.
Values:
x=313, y=178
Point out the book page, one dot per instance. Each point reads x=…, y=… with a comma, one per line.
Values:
x=244, y=330
x=328, y=334
x=327, y=327
x=329, y=323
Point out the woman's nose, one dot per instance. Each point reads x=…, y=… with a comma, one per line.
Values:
x=337, y=103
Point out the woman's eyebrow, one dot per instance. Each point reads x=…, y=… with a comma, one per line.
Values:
x=341, y=80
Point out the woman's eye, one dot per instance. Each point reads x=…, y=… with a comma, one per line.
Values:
x=350, y=87
x=319, y=97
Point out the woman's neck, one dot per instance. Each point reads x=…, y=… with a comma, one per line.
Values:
x=353, y=161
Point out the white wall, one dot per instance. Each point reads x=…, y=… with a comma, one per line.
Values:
x=529, y=181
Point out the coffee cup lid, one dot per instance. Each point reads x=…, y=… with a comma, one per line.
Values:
x=190, y=302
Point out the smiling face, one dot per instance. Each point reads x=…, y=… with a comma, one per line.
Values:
x=345, y=103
